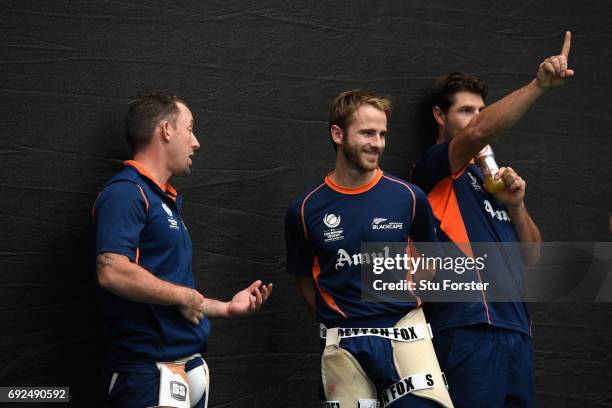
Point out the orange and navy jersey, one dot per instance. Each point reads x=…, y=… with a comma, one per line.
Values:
x=466, y=213
x=141, y=219
x=324, y=230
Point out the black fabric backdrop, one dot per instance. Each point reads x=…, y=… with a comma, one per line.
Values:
x=259, y=77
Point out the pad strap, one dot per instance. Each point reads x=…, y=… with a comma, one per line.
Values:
x=406, y=386
x=362, y=403
x=405, y=334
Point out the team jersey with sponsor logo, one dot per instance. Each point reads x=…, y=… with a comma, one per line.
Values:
x=324, y=230
x=466, y=212
x=141, y=219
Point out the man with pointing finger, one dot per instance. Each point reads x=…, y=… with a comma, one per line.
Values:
x=156, y=322
x=485, y=347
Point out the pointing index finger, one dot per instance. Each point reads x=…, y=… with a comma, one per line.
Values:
x=567, y=42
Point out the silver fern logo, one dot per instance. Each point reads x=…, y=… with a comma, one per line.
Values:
x=474, y=182
x=331, y=220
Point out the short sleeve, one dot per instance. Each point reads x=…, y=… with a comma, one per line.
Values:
x=432, y=167
x=299, y=252
x=423, y=227
x=119, y=214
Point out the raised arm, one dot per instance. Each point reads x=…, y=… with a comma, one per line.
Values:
x=487, y=126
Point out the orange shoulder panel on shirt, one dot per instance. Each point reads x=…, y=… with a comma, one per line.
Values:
x=445, y=207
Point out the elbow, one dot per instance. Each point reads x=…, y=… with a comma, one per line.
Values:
x=532, y=256
x=105, y=278
x=473, y=137
x=479, y=136
x=531, y=260
x=479, y=131
x=105, y=271
x=306, y=288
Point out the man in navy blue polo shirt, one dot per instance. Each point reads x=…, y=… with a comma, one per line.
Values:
x=156, y=322
x=485, y=348
x=363, y=363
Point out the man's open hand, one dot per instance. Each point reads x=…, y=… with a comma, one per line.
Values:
x=249, y=300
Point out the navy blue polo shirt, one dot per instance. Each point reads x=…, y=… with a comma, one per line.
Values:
x=141, y=219
x=466, y=213
x=324, y=230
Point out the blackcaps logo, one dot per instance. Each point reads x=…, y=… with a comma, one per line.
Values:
x=380, y=223
x=331, y=220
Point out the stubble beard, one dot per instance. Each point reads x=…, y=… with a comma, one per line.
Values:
x=353, y=156
x=183, y=171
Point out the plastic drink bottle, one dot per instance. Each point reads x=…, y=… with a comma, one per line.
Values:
x=486, y=160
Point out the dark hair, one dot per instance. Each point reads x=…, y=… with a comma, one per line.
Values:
x=445, y=87
x=145, y=112
x=348, y=102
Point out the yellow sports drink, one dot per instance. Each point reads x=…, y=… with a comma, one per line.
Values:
x=486, y=160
